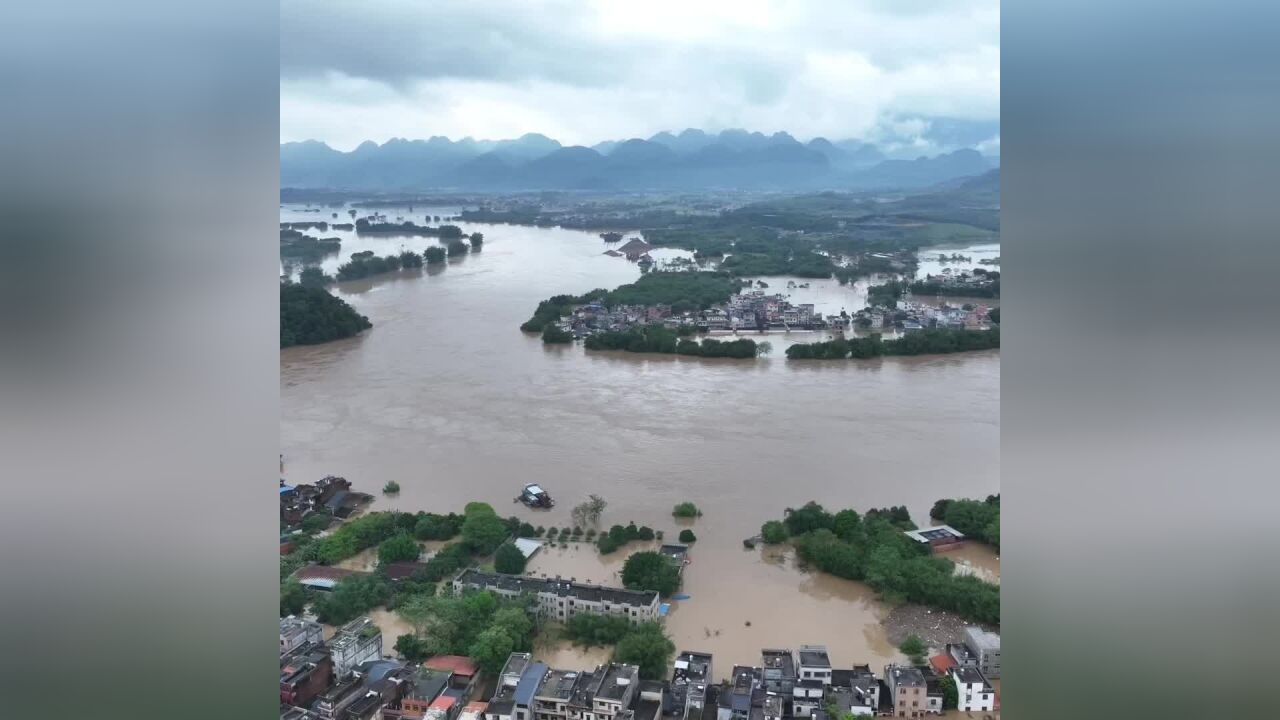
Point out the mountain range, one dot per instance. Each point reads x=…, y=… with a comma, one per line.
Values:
x=692, y=159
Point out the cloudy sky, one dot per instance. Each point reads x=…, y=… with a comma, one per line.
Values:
x=584, y=71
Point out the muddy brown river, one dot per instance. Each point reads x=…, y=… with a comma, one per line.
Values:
x=447, y=397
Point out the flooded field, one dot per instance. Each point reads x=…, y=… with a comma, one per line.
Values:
x=448, y=398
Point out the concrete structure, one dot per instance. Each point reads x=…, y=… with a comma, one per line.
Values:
x=463, y=671
x=518, y=681
x=331, y=704
x=807, y=697
x=304, y=674
x=425, y=687
x=356, y=642
x=563, y=599
x=975, y=693
x=778, y=670
x=986, y=647
x=296, y=632
x=742, y=697
x=941, y=537
x=689, y=682
x=815, y=664
x=907, y=692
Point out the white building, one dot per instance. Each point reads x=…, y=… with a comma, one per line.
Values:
x=296, y=632
x=563, y=599
x=975, y=693
x=356, y=642
x=815, y=663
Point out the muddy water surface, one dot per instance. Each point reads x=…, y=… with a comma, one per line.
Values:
x=448, y=398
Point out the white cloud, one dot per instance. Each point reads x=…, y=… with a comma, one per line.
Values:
x=590, y=71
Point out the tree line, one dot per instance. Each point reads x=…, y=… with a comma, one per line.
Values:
x=933, y=341
x=977, y=519
x=873, y=549
x=659, y=339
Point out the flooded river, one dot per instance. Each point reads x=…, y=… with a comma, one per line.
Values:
x=447, y=397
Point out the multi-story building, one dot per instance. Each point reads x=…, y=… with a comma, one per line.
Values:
x=356, y=642
x=689, y=683
x=332, y=702
x=815, y=664
x=551, y=699
x=975, y=694
x=807, y=697
x=778, y=668
x=563, y=599
x=866, y=690
x=425, y=687
x=986, y=646
x=614, y=691
x=296, y=632
x=304, y=674
x=907, y=691
x=740, y=695
x=518, y=682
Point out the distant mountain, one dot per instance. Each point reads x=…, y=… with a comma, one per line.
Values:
x=690, y=160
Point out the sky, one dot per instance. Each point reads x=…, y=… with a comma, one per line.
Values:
x=887, y=71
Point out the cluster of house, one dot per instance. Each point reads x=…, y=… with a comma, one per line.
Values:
x=748, y=311
x=911, y=315
x=965, y=279
x=348, y=678
x=805, y=685
x=330, y=495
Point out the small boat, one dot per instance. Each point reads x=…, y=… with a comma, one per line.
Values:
x=535, y=497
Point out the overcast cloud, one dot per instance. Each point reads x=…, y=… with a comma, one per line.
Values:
x=584, y=71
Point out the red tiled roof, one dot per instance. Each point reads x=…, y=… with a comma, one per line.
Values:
x=456, y=664
x=942, y=663
x=444, y=702
x=475, y=707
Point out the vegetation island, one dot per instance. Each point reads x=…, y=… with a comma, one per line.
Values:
x=310, y=316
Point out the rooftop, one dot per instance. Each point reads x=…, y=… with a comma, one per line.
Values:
x=691, y=666
x=444, y=702
x=982, y=640
x=940, y=532
x=617, y=679
x=909, y=676
x=557, y=684
x=814, y=656
x=581, y=591
x=781, y=660
x=970, y=676
x=942, y=663
x=428, y=684
x=456, y=664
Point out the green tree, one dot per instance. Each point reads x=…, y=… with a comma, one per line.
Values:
x=687, y=536
x=458, y=248
x=430, y=526
x=411, y=648
x=686, y=510
x=950, y=693
x=315, y=522
x=433, y=255
x=773, y=532
x=482, y=530
x=351, y=597
x=391, y=488
x=649, y=570
x=914, y=648
x=508, y=559
x=401, y=548
x=491, y=648
x=293, y=598
x=553, y=335
x=647, y=647
x=593, y=630
x=313, y=276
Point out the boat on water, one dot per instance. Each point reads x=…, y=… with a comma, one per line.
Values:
x=535, y=497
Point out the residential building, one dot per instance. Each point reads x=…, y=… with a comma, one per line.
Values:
x=778, y=668
x=933, y=694
x=356, y=642
x=564, y=599
x=464, y=671
x=304, y=674
x=473, y=711
x=551, y=699
x=986, y=646
x=807, y=697
x=907, y=691
x=975, y=694
x=518, y=682
x=815, y=664
x=296, y=632
x=332, y=702
x=444, y=707
x=743, y=693
x=866, y=689
x=290, y=712
x=689, y=683
x=424, y=688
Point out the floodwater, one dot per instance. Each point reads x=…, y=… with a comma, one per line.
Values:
x=447, y=397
